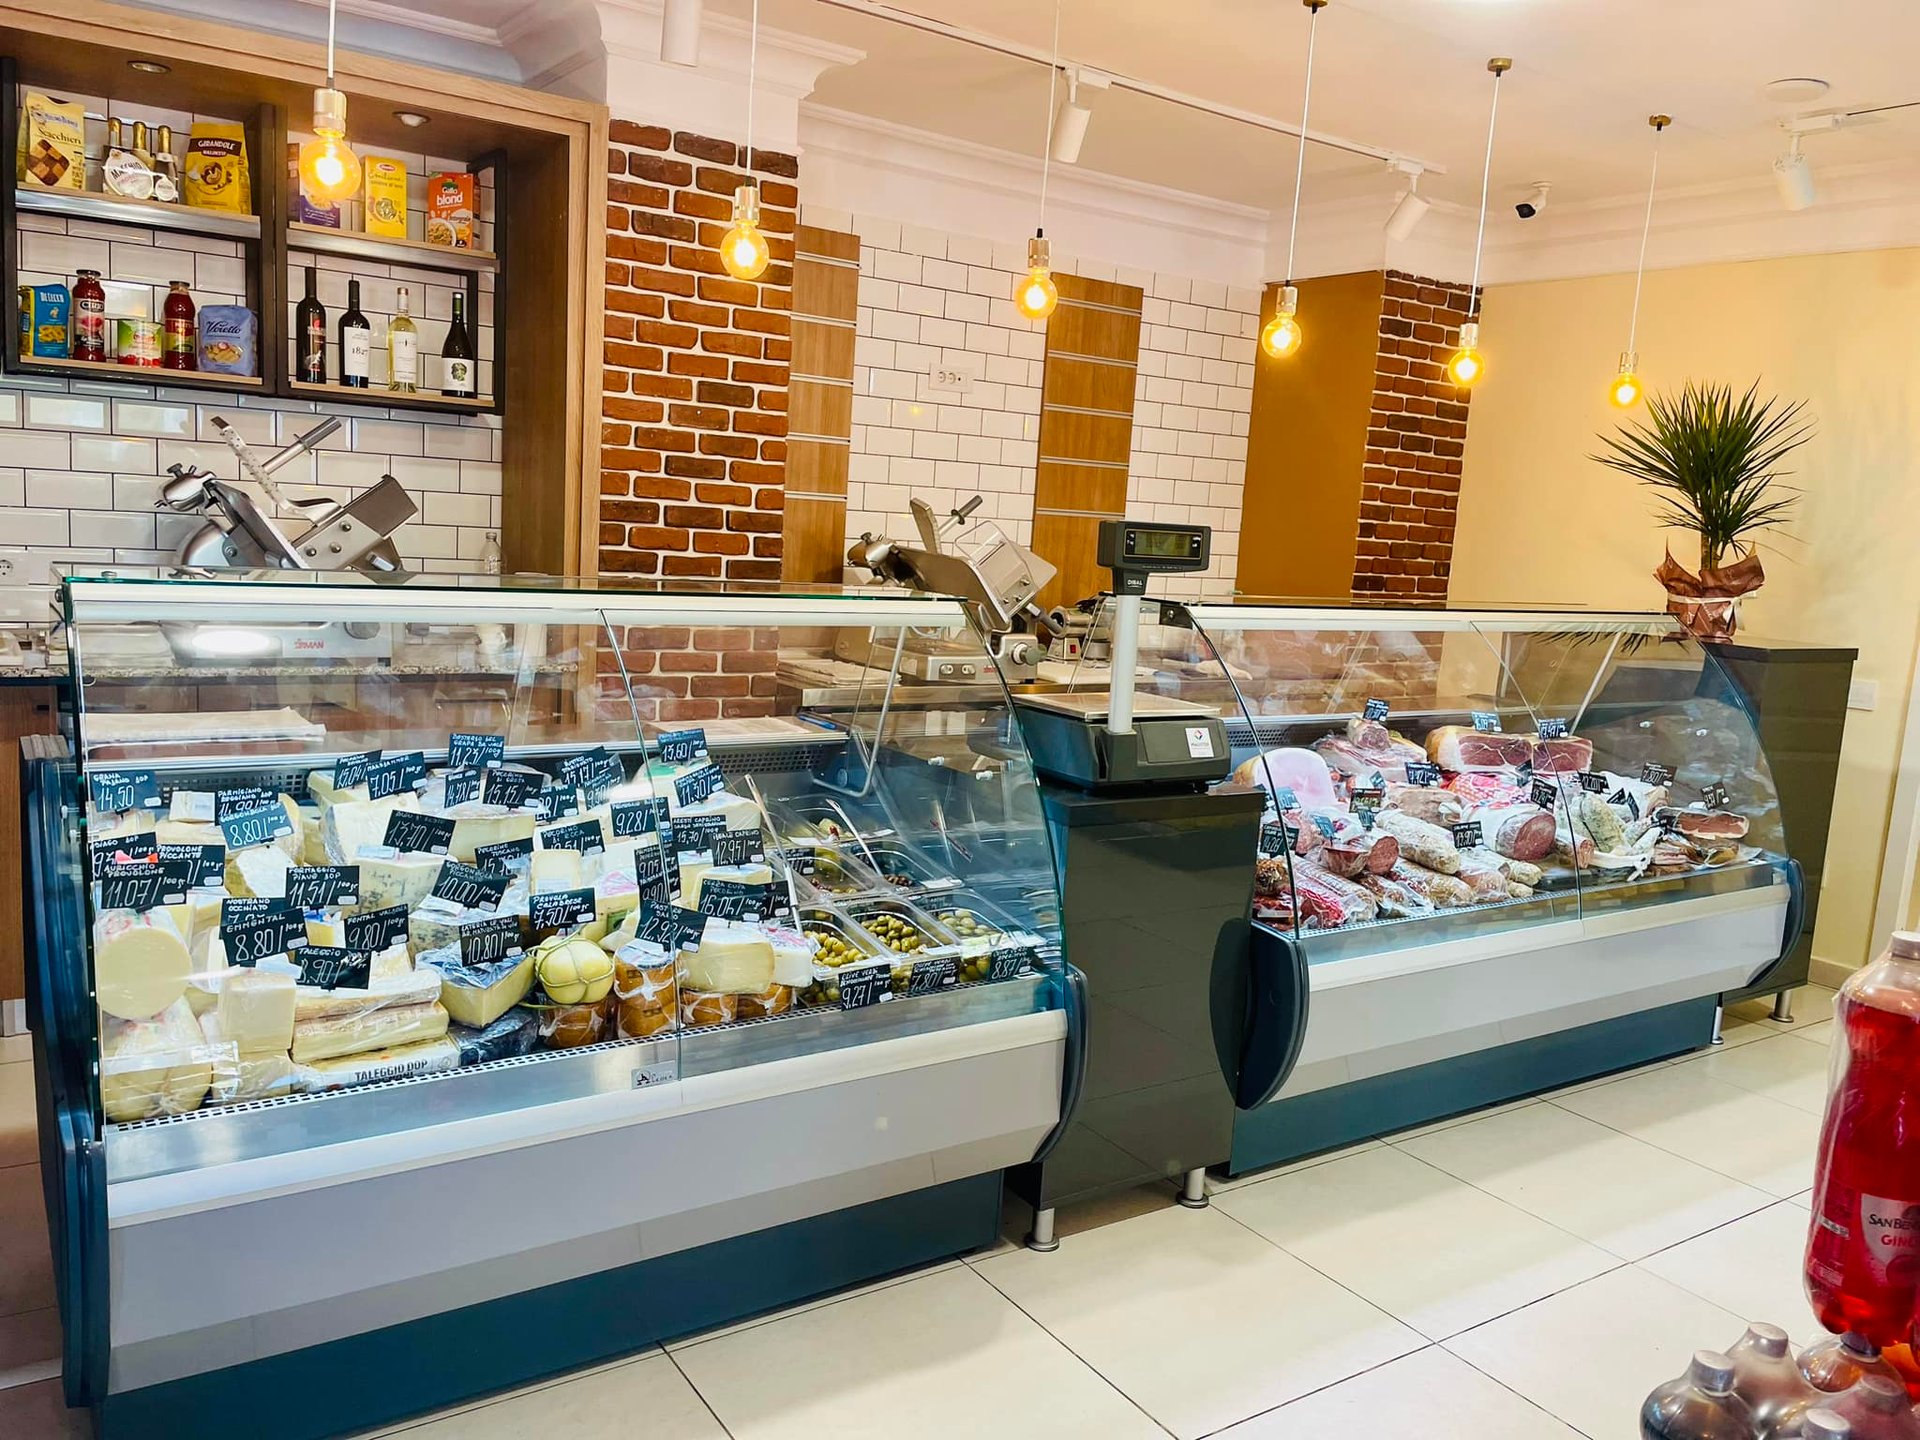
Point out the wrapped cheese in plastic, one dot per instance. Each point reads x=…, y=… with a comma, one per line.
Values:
x=478, y=995
x=393, y=1062
x=514, y=1033
x=260, y=1075
x=159, y=1066
x=379, y=1029
x=644, y=987
x=140, y=963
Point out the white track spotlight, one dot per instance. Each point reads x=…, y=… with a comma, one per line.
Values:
x=1793, y=173
x=1076, y=113
x=680, y=32
x=1411, y=208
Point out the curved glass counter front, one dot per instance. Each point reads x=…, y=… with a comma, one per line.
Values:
x=1444, y=775
x=363, y=858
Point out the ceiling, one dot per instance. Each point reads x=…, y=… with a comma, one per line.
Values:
x=1403, y=75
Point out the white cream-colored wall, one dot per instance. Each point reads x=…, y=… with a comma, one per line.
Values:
x=1540, y=522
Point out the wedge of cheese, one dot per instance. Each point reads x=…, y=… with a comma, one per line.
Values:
x=350, y=825
x=255, y=1010
x=140, y=963
x=259, y=871
x=158, y=1066
x=391, y=990
x=324, y=792
x=259, y=1076
x=397, y=880
x=198, y=921
x=793, y=953
x=557, y=870
x=496, y=826
x=313, y=839
x=733, y=959
x=478, y=995
x=393, y=1062
x=392, y=1025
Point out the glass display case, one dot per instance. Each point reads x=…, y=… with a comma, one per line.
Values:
x=709, y=910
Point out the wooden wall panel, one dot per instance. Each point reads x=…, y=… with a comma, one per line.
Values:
x=1086, y=429
x=826, y=286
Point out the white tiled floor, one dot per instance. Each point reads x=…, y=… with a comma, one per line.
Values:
x=1527, y=1273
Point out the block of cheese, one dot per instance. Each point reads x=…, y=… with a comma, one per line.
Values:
x=313, y=839
x=259, y=1076
x=326, y=927
x=749, y=874
x=120, y=822
x=478, y=995
x=324, y=792
x=690, y=873
x=397, y=880
x=347, y=826
x=259, y=871
x=733, y=959
x=256, y=1010
x=740, y=812
x=394, y=1062
x=385, y=991
x=557, y=870
x=157, y=1066
x=793, y=953
x=391, y=1025
x=192, y=805
x=140, y=963
x=198, y=921
x=494, y=828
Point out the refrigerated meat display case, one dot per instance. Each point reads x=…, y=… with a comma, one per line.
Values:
x=1512, y=850
x=441, y=984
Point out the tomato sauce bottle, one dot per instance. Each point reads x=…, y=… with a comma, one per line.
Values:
x=177, y=340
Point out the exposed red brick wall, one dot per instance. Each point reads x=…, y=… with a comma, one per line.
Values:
x=1416, y=438
x=682, y=673
x=694, y=408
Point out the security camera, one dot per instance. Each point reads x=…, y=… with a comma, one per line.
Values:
x=1535, y=202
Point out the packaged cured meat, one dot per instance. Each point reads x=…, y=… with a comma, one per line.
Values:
x=1461, y=747
x=1520, y=832
x=1350, y=849
x=1562, y=756
x=1290, y=768
x=1397, y=899
x=1421, y=842
x=1273, y=890
x=1484, y=877
x=1327, y=901
x=1703, y=824
x=1427, y=802
x=1437, y=889
x=1368, y=746
x=1598, y=819
x=1483, y=789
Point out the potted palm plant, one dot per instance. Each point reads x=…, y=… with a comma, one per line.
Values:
x=1713, y=462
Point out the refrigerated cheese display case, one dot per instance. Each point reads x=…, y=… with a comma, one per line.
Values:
x=1513, y=849
x=440, y=984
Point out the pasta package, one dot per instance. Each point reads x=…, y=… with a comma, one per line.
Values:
x=384, y=180
x=218, y=177
x=450, y=210
x=53, y=143
x=227, y=343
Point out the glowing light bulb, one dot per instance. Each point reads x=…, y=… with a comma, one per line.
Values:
x=1283, y=334
x=1468, y=364
x=1035, y=295
x=1626, y=388
x=743, y=249
x=329, y=170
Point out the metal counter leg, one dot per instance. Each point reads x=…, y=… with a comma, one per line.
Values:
x=1193, y=1194
x=1717, y=1039
x=1783, y=1007
x=1042, y=1237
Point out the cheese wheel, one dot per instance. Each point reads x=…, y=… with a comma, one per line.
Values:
x=564, y=1026
x=256, y=1010
x=732, y=959
x=140, y=963
x=644, y=982
x=375, y=1030
x=157, y=1066
x=697, y=1007
x=774, y=1000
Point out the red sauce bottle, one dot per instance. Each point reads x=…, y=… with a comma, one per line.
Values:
x=89, y=317
x=177, y=340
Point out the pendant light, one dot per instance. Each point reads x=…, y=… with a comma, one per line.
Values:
x=743, y=249
x=1283, y=335
x=1035, y=294
x=1468, y=364
x=329, y=170
x=1626, y=388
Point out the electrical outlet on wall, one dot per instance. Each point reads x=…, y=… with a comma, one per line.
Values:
x=953, y=374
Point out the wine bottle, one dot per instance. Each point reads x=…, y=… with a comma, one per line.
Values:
x=403, y=349
x=356, y=341
x=458, y=373
x=310, y=330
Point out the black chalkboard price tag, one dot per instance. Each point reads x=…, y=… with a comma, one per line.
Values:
x=254, y=928
x=1623, y=797
x=1593, y=784
x=1467, y=834
x=1714, y=796
x=334, y=967
x=495, y=938
x=1370, y=796
x=1552, y=729
x=600, y=781
x=510, y=788
x=468, y=887
x=1667, y=820
x=256, y=827
x=375, y=930
x=683, y=747
x=351, y=770
x=192, y=867
x=556, y=802
x=470, y=749
x=1285, y=799
x=799, y=859
x=931, y=974
x=692, y=789
x=1487, y=722
x=463, y=787
x=864, y=985
x=585, y=836
x=632, y=818
x=697, y=834
x=1652, y=774
x=1421, y=772
x=732, y=899
x=412, y=831
x=392, y=775
x=135, y=885
x=1546, y=794
x=503, y=856
x=576, y=768
x=670, y=927
x=241, y=801
x=650, y=876
x=1009, y=961
x=551, y=911
x=1377, y=710
x=315, y=887
x=101, y=852
x=738, y=847
x=1523, y=775
x=123, y=789
x=1275, y=840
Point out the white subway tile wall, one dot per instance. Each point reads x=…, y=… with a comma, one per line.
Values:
x=934, y=301
x=81, y=462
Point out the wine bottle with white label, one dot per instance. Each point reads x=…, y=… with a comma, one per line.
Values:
x=356, y=341
x=458, y=374
x=403, y=349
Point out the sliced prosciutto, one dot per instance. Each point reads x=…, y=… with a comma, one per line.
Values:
x=1369, y=747
x=1703, y=824
x=1461, y=747
x=1485, y=790
x=1562, y=756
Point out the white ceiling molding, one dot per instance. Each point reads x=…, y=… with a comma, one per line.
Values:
x=860, y=165
x=367, y=27
x=609, y=50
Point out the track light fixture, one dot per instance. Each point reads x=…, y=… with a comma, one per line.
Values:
x=1793, y=173
x=1070, y=123
x=1412, y=207
x=1468, y=364
x=1282, y=336
x=1626, y=388
x=680, y=32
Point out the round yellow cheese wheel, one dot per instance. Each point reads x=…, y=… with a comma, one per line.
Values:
x=140, y=963
x=572, y=970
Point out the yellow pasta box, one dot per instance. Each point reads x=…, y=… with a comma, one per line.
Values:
x=450, y=210
x=386, y=196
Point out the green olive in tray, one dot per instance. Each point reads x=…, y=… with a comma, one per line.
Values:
x=835, y=949
x=896, y=934
x=967, y=925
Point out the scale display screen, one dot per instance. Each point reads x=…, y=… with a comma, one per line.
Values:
x=1161, y=544
x=1136, y=547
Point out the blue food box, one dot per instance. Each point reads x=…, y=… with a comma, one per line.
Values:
x=43, y=321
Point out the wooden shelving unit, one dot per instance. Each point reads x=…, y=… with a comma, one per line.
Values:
x=139, y=374
x=390, y=250
x=389, y=399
